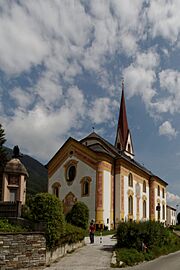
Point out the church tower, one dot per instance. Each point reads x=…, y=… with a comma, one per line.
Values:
x=123, y=136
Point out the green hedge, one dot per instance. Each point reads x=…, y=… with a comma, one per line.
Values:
x=71, y=235
x=129, y=257
x=158, y=239
x=131, y=235
x=5, y=226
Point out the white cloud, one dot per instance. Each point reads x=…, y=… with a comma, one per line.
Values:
x=140, y=76
x=41, y=131
x=101, y=110
x=170, y=85
x=167, y=130
x=21, y=97
x=173, y=199
x=164, y=20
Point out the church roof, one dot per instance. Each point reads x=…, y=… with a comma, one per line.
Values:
x=111, y=148
x=122, y=129
x=113, y=151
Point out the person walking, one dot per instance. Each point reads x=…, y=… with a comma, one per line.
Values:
x=91, y=232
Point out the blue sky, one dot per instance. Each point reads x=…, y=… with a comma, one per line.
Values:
x=61, y=66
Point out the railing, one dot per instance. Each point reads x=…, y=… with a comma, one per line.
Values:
x=10, y=209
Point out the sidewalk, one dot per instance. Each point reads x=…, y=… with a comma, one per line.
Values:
x=95, y=256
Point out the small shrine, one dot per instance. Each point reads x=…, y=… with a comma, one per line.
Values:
x=14, y=185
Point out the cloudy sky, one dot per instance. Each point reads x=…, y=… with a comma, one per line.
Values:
x=61, y=66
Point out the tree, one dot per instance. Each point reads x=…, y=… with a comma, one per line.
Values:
x=3, y=155
x=48, y=208
x=79, y=215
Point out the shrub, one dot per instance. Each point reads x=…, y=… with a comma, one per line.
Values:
x=79, y=215
x=48, y=208
x=72, y=234
x=132, y=235
x=5, y=226
x=129, y=257
x=158, y=239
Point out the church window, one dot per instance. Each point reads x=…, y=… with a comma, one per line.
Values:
x=70, y=171
x=158, y=190
x=85, y=186
x=130, y=205
x=163, y=192
x=129, y=148
x=55, y=189
x=144, y=209
x=130, y=180
x=163, y=212
x=144, y=186
x=159, y=209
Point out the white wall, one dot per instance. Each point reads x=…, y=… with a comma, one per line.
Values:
x=82, y=170
x=117, y=197
x=107, y=198
x=161, y=204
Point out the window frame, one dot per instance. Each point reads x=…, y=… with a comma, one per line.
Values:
x=144, y=209
x=130, y=180
x=130, y=205
x=85, y=180
x=144, y=186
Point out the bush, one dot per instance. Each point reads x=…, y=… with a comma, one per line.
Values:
x=48, y=208
x=129, y=257
x=132, y=235
x=72, y=234
x=79, y=215
x=5, y=226
x=158, y=239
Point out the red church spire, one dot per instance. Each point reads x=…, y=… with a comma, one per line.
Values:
x=122, y=129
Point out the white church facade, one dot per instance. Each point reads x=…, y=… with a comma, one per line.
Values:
x=107, y=178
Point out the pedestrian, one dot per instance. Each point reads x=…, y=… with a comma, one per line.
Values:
x=91, y=232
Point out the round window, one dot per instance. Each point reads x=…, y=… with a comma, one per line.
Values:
x=71, y=173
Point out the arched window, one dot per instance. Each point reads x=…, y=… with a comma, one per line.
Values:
x=55, y=189
x=130, y=180
x=144, y=186
x=158, y=190
x=130, y=205
x=163, y=212
x=144, y=209
x=159, y=210
x=85, y=186
x=163, y=192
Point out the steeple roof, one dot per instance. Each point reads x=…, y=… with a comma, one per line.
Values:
x=122, y=129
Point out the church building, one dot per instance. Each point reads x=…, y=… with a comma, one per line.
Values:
x=107, y=178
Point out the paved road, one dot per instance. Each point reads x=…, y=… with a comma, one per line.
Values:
x=97, y=256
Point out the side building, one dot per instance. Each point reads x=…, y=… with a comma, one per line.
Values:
x=107, y=178
x=170, y=215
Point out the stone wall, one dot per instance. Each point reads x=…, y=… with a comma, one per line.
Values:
x=27, y=251
x=22, y=251
x=58, y=252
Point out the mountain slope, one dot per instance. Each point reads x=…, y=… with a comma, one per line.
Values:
x=38, y=177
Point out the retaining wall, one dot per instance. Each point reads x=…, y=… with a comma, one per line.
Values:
x=28, y=251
